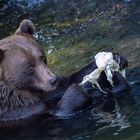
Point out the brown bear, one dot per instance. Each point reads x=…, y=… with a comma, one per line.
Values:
x=24, y=75
x=25, y=79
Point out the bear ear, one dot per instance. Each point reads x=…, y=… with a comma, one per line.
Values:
x=122, y=61
x=26, y=26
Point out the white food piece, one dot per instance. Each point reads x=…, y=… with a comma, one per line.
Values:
x=106, y=63
x=103, y=58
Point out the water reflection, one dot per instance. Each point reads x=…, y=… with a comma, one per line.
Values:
x=115, y=118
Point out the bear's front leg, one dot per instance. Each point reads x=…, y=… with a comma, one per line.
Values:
x=74, y=100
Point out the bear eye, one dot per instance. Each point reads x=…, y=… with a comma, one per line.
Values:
x=30, y=69
x=31, y=65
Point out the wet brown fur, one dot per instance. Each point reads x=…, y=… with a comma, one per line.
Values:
x=21, y=82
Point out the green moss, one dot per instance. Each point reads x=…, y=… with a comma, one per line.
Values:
x=68, y=60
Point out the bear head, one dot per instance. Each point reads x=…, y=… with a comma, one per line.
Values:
x=23, y=65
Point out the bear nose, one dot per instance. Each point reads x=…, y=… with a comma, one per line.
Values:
x=53, y=81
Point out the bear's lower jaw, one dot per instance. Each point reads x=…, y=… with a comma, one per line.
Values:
x=22, y=113
x=47, y=89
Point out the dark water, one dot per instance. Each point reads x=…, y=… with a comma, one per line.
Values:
x=71, y=33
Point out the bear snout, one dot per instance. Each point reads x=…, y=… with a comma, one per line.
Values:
x=46, y=80
x=53, y=81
